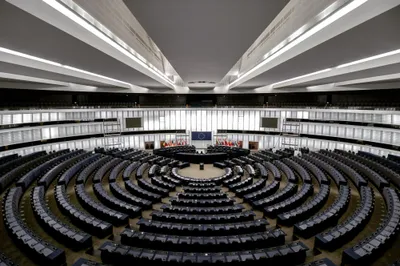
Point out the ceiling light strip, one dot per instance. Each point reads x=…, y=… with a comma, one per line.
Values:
x=31, y=57
x=41, y=60
x=353, y=63
x=120, y=45
x=391, y=53
x=24, y=78
x=311, y=23
x=303, y=76
x=324, y=23
x=90, y=19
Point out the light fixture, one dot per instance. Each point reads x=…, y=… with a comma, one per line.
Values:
x=303, y=76
x=91, y=28
x=31, y=57
x=360, y=61
x=38, y=59
x=326, y=22
x=370, y=58
x=236, y=74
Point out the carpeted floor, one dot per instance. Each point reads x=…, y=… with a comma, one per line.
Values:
x=8, y=246
x=194, y=171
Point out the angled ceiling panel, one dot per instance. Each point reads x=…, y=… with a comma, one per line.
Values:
x=32, y=72
x=379, y=71
x=117, y=18
x=33, y=36
x=373, y=37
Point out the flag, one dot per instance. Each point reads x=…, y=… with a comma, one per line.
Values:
x=201, y=135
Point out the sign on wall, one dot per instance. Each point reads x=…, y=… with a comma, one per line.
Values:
x=269, y=122
x=201, y=135
x=133, y=122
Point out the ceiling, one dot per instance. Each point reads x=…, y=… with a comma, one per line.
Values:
x=378, y=71
x=202, y=40
x=7, y=80
x=376, y=36
x=33, y=36
x=32, y=72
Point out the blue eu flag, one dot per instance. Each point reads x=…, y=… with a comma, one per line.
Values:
x=201, y=135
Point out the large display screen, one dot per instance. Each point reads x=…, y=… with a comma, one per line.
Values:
x=133, y=122
x=269, y=122
x=201, y=135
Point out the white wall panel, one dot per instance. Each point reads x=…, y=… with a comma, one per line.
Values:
x=257, y=117
x=395, y=119
x=184, y=124
x=246, y=120
x=26, y=134
x=17, y=118
x=27, y=118
x=241, y=120
x=366, y=134
x=173, y=119
x=188, y=120
x=376, y=136
x=6, y=119
x=178, y=119
x=340, y=133
x=224, y=119
x=208, y=120
x=326, y=129
x=386, y=137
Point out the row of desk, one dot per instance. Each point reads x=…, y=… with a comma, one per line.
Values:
x=207, y=158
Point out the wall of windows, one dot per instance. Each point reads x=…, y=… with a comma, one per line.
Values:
x=138, y=142
x=379, y=126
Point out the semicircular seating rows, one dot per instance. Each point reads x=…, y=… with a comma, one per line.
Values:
x=127, y=207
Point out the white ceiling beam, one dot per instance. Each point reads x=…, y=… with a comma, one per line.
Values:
x=69, y=87
x=330, y=87
x=382, y=78
x=364, y=12
x=24, y=78
x=17, y=58
x=87, y=33
x=391, y=58
x=29, y=86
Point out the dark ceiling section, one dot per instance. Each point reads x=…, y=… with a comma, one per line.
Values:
x=376, y=36
x=204, y=39
x=25, y=33
x=12, y=98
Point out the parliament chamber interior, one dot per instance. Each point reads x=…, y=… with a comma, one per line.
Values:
x=191, y=132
